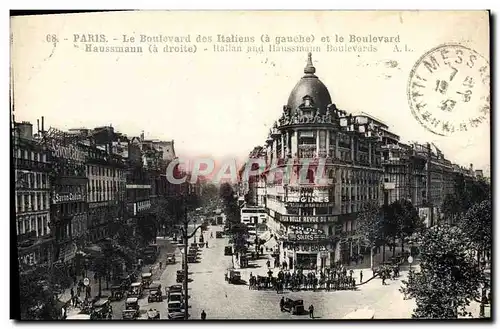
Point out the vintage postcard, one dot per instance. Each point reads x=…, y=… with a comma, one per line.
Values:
x=214, y=165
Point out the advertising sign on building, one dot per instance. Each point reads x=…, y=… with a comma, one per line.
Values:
x=308, y=247
x=298, y=233
x=69, y=152
x=307, y=195
x=67, y=197
x=307, y=219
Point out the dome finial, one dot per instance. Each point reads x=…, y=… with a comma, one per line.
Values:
x=309, y=69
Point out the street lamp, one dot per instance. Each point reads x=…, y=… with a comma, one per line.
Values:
x=186, y=237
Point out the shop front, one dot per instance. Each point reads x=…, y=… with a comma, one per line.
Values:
x=307, y=255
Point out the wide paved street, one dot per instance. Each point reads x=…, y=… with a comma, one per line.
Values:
x=208, y=291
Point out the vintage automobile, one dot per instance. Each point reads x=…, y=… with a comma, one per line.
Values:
x=155, y=292
x=153, y=314
x=131, y=310
x=218, y=235
x=135, y=290
x=175, y=306
x=228, y=251
x=233, y=276
x=180, y=276
x=192, y=258
x=117, y=293
x=175, y=288
x=170, y=259
x=100, y=309
x=176, y=316
x=146, y=279
x=294, y=306
x=175, y=297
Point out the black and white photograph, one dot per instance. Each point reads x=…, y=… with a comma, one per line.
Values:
x=250, y=165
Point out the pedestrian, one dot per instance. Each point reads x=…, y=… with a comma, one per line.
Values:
x=282, y=303
x=203, y=315
x=268, y=263
x=211, y=234
x=72, y=292
x=311, y=311
x=206, y=244
x=161, y=264
x=361, y=276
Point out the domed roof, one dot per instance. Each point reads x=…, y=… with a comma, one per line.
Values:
x=311, y=86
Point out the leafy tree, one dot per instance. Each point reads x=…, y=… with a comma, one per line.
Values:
x=210, y=194
x=165, y=213
x=146, y=229
x=452, y=208
x=448, y=278
x=230, y=202
x=36, y=294
x=403, y=221
x=477, y=226
x=240, y=235
x=370, y=225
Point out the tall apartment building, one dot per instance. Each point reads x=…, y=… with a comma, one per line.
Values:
x=105, y=190
x=315, y=223
x=31, y=198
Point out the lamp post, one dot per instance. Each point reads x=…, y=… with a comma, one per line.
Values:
x=186, y=238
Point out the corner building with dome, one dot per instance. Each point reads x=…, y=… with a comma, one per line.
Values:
x=323, y=166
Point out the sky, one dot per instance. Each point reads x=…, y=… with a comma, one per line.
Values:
x=222, y=104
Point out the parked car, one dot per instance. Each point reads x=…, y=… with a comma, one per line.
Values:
x=294, y=306
x=233, y=276
x=170, y=259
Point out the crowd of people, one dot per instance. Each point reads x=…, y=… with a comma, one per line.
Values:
x=335, y=278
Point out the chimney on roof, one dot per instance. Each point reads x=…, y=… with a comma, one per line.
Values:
x=25, y=129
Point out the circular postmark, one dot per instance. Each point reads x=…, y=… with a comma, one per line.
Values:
x=449, y=89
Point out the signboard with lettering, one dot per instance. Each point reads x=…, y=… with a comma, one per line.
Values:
x=67, y=197
x=309, y=204
x=305, y=230
x=308, y=247
x=69, y=152
x=305, y=237
x=308, y=219
x=307, y=195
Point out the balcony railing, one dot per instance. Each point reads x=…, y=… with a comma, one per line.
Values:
x=31, y=165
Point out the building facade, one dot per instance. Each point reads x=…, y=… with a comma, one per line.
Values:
x=323, y=167
x=105, y=190
x=32, y=198
x=69, y=195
